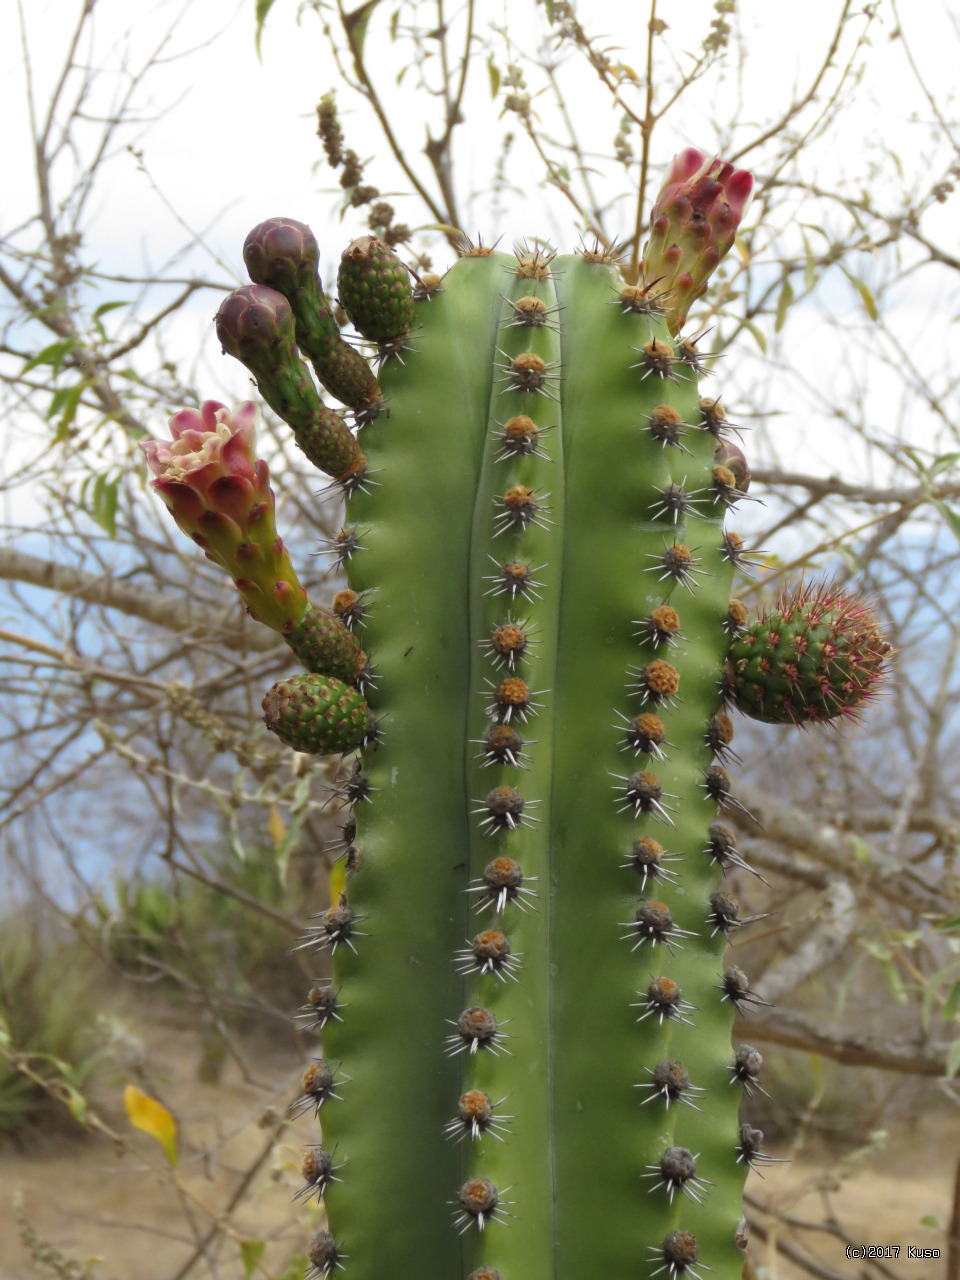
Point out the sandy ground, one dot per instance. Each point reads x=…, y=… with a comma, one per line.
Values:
x=125, y=1209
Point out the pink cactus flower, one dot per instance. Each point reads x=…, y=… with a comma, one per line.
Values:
x=693, y=224
x=218, y=491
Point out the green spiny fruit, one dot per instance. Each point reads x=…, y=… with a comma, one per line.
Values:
x=375, y=291
x=283, y=254
x=538, y=1079
x=816, y=655
x=317, y=714
x=325, y=646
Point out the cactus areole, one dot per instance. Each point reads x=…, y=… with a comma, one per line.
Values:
x=528, y=1073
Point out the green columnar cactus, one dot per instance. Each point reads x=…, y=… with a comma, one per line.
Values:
x=527, y=1070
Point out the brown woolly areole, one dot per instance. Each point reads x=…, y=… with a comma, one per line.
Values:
x=520, y=428
x=531, y=310
x=665, y=619
x=533, y=266
x=661, y=678
x=658, y=356
x=518, y=496
x=509, y=640
x=528, y=371
x=513, y=692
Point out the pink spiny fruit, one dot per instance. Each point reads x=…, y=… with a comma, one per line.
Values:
x=818, y=654
x=693, y=223
x=218, y=491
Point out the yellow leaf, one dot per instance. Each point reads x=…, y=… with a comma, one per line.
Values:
x=276, y=826
x=152, y=1117
x=338, y=880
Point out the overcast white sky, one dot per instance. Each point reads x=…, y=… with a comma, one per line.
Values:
x=232, y=139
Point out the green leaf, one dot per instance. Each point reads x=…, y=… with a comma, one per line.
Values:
x=548, y=5
x=943, y=463
x=53, y=355
x=102, y=311
x=868, y=299
x=783, y=304
x=953, y=1059
x=104, y=499
x=952, y=1005
x=355, y=25
x=895, y=983
x=758, y=335
x=493, y=71
x=263, y=8
x=931, y=1220
x=251, y=1251
x=295, y=1267
x=952, y=519
x=810, y=264
x=948, y=926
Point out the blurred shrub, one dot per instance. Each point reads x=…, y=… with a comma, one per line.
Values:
x=188, y=937
x=50, y=1003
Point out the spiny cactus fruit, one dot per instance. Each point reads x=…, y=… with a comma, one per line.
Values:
x=817, y=654
x=527, y=1066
